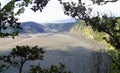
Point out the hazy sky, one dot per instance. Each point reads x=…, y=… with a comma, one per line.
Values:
x=112, y=9
x=54, y=11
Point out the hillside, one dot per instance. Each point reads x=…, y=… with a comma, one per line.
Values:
x=58, y=27
x=33, y=27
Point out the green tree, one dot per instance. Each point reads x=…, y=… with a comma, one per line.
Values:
x=8, y=23
x=53, y=69
x=3, y=67
x=109, y=25
x=21, y=54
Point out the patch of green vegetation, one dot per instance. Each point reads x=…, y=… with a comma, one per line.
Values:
x=115, y=65
x=90, y=33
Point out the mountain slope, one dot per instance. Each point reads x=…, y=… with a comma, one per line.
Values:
x=32, y=27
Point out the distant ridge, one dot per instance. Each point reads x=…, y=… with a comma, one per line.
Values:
x=33, y=27
x=58, y=27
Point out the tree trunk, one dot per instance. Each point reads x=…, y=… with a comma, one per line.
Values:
x=21, y=66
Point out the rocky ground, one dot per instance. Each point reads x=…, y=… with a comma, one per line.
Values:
x=74, y=50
